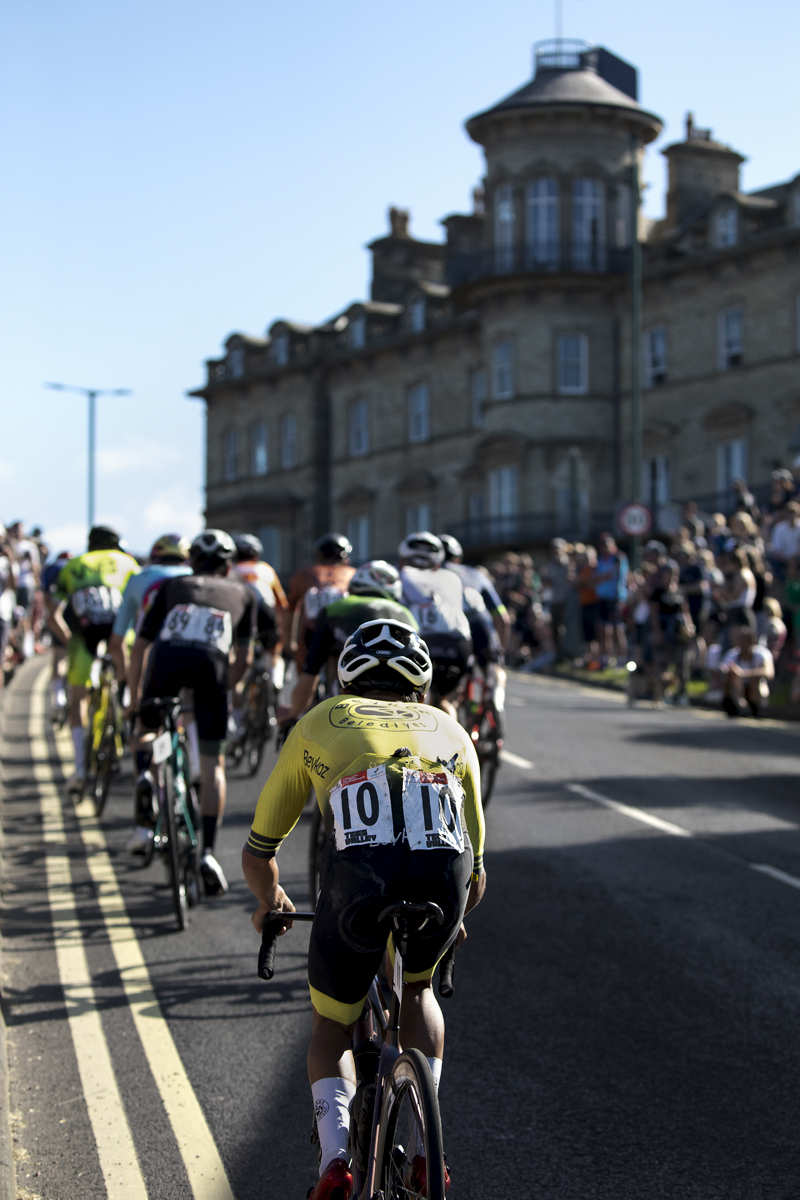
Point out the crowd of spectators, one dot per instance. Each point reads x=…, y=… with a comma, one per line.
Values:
x=22, y=615
x=711, y=608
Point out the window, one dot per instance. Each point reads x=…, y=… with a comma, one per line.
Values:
x=230, y=454
x=358, y=536
x=478, y=389
x=477, y=506
x=726, y=227
x=280, y=350
x=358, y=332
x=288, y=441
x=656, y=480
x=259, y=456
x=588, y=225
x=270, y=538
x=416, y=315
x=419, y=413
x=236, y=362
x=359, y=429
x=731, y=464
x=503, y=370
x=572, y=354
x=622, y=225
x=655, y=356
x=504, y=228
x=504, y=502
x=418, y=518
x=730, y=338
x=542, y=226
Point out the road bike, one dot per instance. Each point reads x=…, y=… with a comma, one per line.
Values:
x=258, y=717
x=175, y=836
x=103, y=740
x=479, y=716
x=394, y=1118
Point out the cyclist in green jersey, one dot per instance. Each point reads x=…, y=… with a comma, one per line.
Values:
x=374, y=591
x=90, y=588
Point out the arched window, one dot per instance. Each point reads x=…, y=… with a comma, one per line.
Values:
x=588, y=225
x=504, y=229
x=259, y=449
x=542, y=225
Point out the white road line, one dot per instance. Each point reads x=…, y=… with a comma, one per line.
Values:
x=195, y=1141
x=637, y=814
x=524, y=763
x=112, y=1134
x=782, y=876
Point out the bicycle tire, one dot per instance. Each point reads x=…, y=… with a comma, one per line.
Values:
x=410, y=1115
x=318, y=836
x=488, y=766
x=105, y=758
x=175, y=867
x=261, y=729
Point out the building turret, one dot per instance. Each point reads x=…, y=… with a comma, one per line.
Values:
x=700, y=169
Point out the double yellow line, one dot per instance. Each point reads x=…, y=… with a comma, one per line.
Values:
x=121, y=1168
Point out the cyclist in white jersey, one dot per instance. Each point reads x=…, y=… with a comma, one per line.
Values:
x=436, y=599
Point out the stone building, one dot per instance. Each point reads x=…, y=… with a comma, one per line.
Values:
x=484, y=388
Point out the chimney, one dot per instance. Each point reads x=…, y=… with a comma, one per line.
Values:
x=699, y=170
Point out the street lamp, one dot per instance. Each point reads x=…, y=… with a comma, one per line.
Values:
x=636, y=340
x=91, y=395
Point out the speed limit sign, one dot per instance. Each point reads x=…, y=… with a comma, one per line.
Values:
x=635, y=519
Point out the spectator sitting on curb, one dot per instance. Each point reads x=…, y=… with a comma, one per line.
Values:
x=746, y=669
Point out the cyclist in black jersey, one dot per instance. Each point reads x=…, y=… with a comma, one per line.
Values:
x=192, y=625
x=374, y=591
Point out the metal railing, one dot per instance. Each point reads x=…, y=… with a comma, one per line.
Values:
x=527, y=529
x=584, y=258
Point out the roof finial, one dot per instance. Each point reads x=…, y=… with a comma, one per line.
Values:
x=398, y=221
x=689, y=126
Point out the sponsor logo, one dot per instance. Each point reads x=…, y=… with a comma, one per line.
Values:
x=315, y=765
x=321, y=1109
x=358, y=837
x=365, y=714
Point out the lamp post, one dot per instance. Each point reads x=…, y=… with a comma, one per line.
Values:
x=91, y=394
x=636, y=342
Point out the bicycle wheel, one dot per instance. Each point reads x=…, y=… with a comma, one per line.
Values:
x=261, y=728
x=173, y=849
x=105, y=758
x=318, y=836
x=488, y=751
x=411, y=1127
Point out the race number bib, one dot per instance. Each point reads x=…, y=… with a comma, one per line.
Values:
x=437, y=616
x=362, y=810
x=316, y=599
x=195, y=623
x=96, y=605
x=432, y=810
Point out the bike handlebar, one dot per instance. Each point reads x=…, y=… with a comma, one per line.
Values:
x=274, y=922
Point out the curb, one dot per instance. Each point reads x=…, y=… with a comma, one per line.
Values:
x=8, y=1174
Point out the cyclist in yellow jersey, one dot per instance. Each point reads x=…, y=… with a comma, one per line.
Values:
x=402, y=780
x=90, y=588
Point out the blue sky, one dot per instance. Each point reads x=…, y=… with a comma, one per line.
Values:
x=175, y=171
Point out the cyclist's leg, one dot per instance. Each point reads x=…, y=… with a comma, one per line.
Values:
x=207, y=675
x=79, y=670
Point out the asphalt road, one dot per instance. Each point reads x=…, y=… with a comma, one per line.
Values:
x=626, y=1007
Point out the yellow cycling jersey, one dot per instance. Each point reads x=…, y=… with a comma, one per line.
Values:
x=348, y=734
x=95, y=568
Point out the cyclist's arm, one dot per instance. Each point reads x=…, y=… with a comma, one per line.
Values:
x=473, y=809
x=56, y=620
x=136, y=669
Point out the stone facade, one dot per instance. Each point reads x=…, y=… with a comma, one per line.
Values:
x=485, y=386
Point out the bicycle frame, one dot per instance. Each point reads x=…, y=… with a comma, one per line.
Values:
x=176, y=754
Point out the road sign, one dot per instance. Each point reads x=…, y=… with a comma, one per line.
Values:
x=635, y=519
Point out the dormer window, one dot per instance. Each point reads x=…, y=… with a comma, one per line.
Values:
x=358, y=332
x=726, y=227
x=416, y=315
x=236, y=362
x=280, y=350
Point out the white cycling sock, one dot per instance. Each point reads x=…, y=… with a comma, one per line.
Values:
x=77, y=741
x=332, y=1100
x=278, y=672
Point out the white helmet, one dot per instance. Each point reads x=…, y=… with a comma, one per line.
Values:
x=392, y=652
x=422, y=550
x=212, y=548
x=376, y=578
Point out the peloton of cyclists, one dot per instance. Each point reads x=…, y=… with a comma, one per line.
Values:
x=311, y=588
x=404, y=791
x=272, y=609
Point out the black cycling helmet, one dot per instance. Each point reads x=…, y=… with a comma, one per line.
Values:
x=248, y=547
x=210, y=550
x=388, y=656
x=452, y=548
x=333, y=546
x=103, y=537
